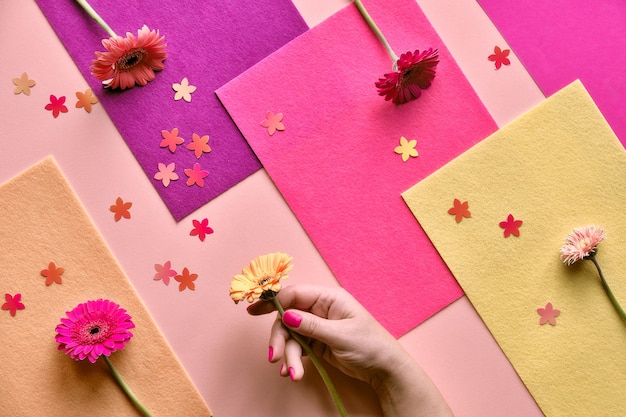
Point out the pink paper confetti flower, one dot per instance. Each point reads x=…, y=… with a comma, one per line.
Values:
x=199, y=145
x=164, y=272
x=56, y=105
x=196, y=175
x=93, y=329
x=171, y=139
x=121, y=209
x=500, y=57
x=131, y=60
x=548, y=314
x=581, y=243
x=273, y=122
x=201, y=229
x=13, y=303
x=511, y=226
x=406, y=149
x=52, y=274
x=86, y=100
x=23, y=84
x=183, y=90
x=186, y=280
x=166, y=174
x=415, y=72
x=460, y=210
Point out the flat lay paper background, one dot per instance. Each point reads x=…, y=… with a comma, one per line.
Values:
x=561, y=41
x=335, y=163
x=547, y=168
x=45, y=222
x=208, y=43
x=224, y=350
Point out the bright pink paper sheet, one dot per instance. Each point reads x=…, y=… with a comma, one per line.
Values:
x=208, y=43
x=560, y=41
x=335, y=164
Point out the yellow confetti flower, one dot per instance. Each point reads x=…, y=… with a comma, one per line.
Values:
x=23, y=84
x=406, y=149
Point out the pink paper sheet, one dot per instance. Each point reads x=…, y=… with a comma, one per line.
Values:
x=335, y=162
x=563, y=40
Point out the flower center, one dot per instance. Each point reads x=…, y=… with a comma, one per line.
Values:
x=131, y=58
x=95, y=330
x=264, y=280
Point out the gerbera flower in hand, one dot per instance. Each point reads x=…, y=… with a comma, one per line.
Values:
x=261, y=279
x=415, y=72
x=131, y=60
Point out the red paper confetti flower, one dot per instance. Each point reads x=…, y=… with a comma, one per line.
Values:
x=273, y=122
x=199, y=144
x=186, y=280
x=201, y=229
x=548, y=314
x=121, y=209
x=196, y=175
x=499, y=57
x=460, y=210
x=56, y=105
x=164, y=272
x=415, y=73
x=511, y=226
x=171, y=139
x=581, y=243
x=52, y=274
x=13, y=303
x=130, y=60
x=93, y=329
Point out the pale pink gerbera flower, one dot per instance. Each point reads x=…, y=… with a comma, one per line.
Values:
x=93, y=329
x=415, y=72
x=581, y=243
x=130, y=60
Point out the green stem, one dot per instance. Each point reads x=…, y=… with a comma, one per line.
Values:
x=126, y=389
x=616, y=304
x=91, y=12
x=318, y=365
x=374, y=27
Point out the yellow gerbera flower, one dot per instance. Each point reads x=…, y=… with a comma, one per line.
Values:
x=261, y=279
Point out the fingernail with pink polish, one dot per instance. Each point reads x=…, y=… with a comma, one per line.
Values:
x=292, y=319
x=292, y=374
x=270, y=354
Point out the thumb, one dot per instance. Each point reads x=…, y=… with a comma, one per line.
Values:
x=309, y=325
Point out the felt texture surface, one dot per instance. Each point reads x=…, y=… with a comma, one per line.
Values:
x=41, y=220
x=208, y=43
x=335, y=164
x=557, y=167
x=555, y=42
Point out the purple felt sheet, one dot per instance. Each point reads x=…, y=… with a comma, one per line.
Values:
x=209, y=43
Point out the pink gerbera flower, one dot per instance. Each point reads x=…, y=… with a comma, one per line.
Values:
x=130, y=60
x=93, y=329
x=415, y=72
x=581, y=243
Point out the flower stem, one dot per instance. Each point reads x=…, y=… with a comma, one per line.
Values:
x=126, y=389
x=91, y=12
x=318, y=365
x=616, y=304
x=372, y=24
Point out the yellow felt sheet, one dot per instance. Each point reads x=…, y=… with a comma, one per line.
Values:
x=41, y=220
x=557, y=167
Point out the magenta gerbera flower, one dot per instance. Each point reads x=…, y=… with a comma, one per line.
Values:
x=93, y=329
x=130, y=60
x=415, y=72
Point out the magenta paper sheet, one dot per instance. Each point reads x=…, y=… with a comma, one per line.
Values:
x=563, y=40
x=332, y=151
x=208, y=43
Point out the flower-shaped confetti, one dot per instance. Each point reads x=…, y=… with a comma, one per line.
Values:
x=121, y=209
x=86, y=100
x=199, y=145
x=201, y=229
x=186, y=280
x=406, y=149
x=183, y=90
x=460, y=210
x=23, y=84
x=164, y=272
x=500, y=57
x=511, y=226
x=196, y=175
x=273, y=122
x=170, y=139
x=56, y=105
x=548, y=314
x=52, y=274
x=166, y=174
x=13, y=303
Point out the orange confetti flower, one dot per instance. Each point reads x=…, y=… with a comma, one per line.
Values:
x=460, y=210
x=85, y=100
x=121, y=209
x=23, y=84
x=52, y=274
x=186, y=280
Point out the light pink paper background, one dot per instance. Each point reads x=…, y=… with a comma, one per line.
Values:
x=222, y=348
